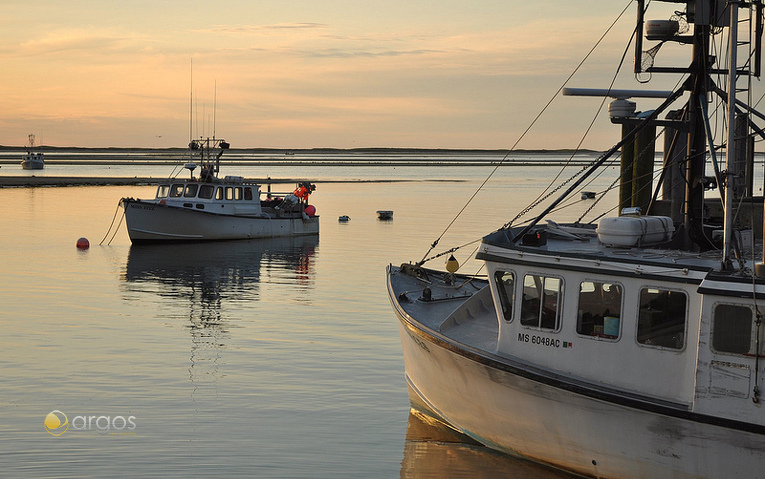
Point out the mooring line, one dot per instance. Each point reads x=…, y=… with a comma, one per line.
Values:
x=112, y=224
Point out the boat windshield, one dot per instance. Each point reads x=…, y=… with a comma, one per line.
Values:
x=162, y=191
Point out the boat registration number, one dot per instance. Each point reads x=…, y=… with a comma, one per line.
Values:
x=540, y=340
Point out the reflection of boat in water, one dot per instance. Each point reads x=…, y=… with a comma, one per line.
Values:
x=210, y=278
x=227, y=266
x=432, y=449
x=210, y=208
x=32, y=160
x=629, y=346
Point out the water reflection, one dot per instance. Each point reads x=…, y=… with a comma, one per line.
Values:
x=433, y=450
x=207, y=282
x=219, y=270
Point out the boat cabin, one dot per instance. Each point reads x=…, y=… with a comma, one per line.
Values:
x=603, y=315
x=221, y=198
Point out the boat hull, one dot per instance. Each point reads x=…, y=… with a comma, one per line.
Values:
x=33, y=164
x=154, y=223
x=523, y=413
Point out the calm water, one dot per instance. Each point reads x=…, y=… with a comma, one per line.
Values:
x=261, y=359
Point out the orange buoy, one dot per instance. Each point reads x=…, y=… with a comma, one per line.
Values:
x=83, y=243
x=310, y=210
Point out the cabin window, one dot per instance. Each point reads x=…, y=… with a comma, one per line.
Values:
x=661, y=321
x=176, y=191
x=191, y=190
x=229, y=192
x=219, y=193
x=163, y=191
x=238, y=193
x=541, y=302
x=505, y=282
x=206, y=191
x=600, y=307
x=732, y=329
x=248, y=194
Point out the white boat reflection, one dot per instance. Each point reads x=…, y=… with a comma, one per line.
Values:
x=209, y=278
x=228, y=267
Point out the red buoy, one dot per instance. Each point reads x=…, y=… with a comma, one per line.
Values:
x=83, y=243
x=310, y=210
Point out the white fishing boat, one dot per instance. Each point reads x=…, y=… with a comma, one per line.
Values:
x=209, y=208
x=629, y=346
x=32, y=160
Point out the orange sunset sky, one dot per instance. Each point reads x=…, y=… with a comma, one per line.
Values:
x=306, y=74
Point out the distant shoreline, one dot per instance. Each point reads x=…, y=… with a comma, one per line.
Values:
x=282, y=151
x=43, y=181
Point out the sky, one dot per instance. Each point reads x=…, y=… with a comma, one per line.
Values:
x=309, y=74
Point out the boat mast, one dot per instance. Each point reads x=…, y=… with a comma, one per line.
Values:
x=697, y=144
x=730, y=149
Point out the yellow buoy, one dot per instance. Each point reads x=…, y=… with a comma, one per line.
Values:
x=452, y=264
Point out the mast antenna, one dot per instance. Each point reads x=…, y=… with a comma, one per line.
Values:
x=191, y=101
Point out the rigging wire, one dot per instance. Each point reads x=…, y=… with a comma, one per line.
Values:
x=528, y=128
x=541, y=198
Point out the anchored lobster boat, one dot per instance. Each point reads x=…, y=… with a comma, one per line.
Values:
x=209, y=208
x=629, y=346
x=32, y=160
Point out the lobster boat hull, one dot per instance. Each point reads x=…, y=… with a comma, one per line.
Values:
x=551, y=419
x=149, y=222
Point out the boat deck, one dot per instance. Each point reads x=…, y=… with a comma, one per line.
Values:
x=454, y=306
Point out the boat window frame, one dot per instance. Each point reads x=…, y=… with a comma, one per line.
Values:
x=163, y=190
x=219, y=193
x=594, y=334
x=206, y=187
x=176, y=190
x=640, y=312
x=238, y=193
x=713, y=331
x=191, y=190
x=502, y=293
x=541, y=302
x=229, y=195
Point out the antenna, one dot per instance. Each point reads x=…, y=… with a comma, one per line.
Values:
x=191, y=101
x=215, y=105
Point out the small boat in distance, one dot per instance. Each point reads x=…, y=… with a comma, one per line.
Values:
x=385, y=214
x=628, y=346
x=209, y=208
x=32, y=160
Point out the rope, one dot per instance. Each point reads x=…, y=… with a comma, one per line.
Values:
x=116, y=229
x=112, y=224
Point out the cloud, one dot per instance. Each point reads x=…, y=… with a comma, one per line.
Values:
x=356, y=53
x=87, y=40
x=251, y=29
